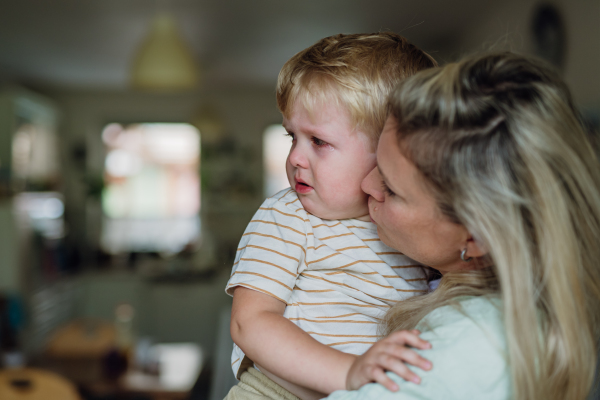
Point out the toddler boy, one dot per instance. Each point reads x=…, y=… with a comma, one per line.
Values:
x=311, y=279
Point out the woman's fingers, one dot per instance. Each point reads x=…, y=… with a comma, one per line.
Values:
x=403, y=371
x=380, y=377
x=389, y=354
x=400, y=354
x=396, y=364
x=410, y=338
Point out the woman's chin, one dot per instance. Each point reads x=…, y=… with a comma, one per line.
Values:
x=384, y=238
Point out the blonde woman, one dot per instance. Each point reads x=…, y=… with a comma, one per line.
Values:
x=485, y=173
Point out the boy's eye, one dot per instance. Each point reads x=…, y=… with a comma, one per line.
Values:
x=290, y=135
x=318, y=142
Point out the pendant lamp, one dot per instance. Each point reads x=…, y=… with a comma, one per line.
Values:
x=164, y=61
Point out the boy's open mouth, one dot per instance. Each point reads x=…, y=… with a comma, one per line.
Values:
x=302, y=187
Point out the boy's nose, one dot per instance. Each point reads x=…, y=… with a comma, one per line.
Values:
x=371, y=185
x=297, y=158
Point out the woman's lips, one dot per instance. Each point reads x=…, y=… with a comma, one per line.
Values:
x=302, y=188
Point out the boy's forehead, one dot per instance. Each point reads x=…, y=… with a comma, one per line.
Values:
x=316, y=112
x=318, y=122
x=313, y=104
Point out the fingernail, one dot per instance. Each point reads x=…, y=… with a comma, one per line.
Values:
x=416, y=379
x=428, y=365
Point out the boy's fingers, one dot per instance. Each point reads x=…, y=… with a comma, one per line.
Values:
x=380, y=377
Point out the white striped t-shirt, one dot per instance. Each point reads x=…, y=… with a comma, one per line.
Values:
x=336, y=277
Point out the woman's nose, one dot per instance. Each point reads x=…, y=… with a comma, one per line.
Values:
x=371, y=185
x=297, y=158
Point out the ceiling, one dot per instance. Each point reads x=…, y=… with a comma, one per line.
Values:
x=91, y=43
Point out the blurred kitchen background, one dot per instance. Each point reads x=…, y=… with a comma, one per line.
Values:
x=137, y=139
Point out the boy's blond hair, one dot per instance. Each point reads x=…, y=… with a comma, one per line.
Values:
x=355, y=71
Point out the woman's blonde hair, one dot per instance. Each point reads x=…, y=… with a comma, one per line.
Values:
x=356, y=71
x=499, y=144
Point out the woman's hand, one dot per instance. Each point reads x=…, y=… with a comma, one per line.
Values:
x=389, y=354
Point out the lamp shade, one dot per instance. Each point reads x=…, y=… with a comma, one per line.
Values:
x=164, y=62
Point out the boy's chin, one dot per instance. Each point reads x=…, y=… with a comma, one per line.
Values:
x=324, y=212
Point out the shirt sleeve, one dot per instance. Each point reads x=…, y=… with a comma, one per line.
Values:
x=468, y=358
x=270, y=251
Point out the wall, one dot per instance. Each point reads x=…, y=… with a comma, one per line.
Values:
x=507, y=26
x=10, y=279
x=245, y=113
x=164, y=311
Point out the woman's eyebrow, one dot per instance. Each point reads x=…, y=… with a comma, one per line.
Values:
x=385, y=180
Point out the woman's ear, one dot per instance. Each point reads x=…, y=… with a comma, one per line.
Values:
x=475, y=249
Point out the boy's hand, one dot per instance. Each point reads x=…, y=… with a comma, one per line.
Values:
x=389, y=354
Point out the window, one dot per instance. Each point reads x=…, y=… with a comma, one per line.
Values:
x=151, y=197
x=276, y=146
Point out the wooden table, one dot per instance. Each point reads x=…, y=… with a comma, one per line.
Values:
x=175, y=383
x=138, y=383
x=35, y=384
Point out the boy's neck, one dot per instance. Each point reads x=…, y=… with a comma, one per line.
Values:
x=365, y=218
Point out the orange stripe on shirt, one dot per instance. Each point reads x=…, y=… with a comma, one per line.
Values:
x=258, y=290
x=361, y=261
x=276, y=224
x=336, y=321
x=271, y=250
x=313, y=291
x=337, y=236
x=346, y=315
x=282, y=213
x=268, y=263
x=329, y=226
x=349, y=342
x=353, y=247
x=276, y=238
x=286, y=193
x=321, y=259
x=262, y=276
x=340, y=304
x=334, y=335
x=368, y=281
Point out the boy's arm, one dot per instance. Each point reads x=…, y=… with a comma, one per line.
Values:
x=275, y=343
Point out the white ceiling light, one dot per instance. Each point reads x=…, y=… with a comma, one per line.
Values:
x=164, y=61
